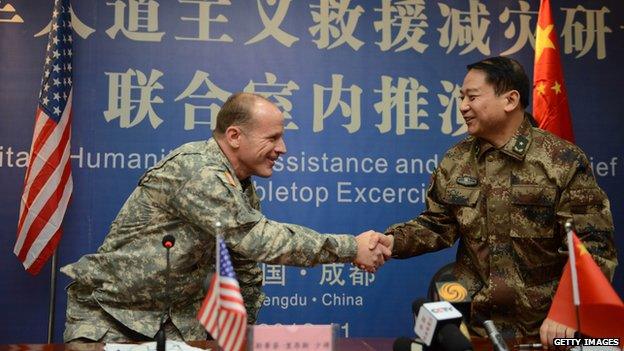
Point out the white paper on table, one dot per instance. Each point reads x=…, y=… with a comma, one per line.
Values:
x=171, y=345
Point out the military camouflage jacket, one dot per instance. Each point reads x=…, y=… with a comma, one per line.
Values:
x=507, y=207
x=185, y=195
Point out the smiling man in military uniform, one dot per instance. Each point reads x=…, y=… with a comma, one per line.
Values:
x=120, y=292
x=505, y=193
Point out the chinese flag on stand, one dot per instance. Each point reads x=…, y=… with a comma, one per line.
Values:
x=48, y=182
x=550, y=98
x=601, y=310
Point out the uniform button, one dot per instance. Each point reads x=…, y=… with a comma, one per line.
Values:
x=490, y=158
x=492, y=208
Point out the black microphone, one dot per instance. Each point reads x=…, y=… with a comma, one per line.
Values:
x=495, y=336
x=168, y=241
x=452, y=339
x=161, y=339
x=437, y=324
x=407, y=344
x=455, y=293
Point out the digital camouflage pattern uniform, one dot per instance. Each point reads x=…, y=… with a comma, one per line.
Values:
x=185, y=194
x=507, y=207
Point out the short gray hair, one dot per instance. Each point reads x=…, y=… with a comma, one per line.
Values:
x=236, y=110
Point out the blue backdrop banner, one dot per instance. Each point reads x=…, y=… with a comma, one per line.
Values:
x=369, y=91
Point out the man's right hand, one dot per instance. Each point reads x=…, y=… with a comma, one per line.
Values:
x=551, y=329
x=373, y=250
x=382, y=239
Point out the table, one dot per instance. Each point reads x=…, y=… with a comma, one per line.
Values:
x=344, y=344
x=351, y=344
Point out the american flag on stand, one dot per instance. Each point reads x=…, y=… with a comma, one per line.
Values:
x=48, y=183
x=223, y=311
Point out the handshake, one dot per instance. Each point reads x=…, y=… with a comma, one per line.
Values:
x=373, y=249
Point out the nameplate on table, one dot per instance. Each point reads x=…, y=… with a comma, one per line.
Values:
x=292, y=337
x=171, y=345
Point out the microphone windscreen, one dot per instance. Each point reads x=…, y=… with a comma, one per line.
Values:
x=416, y=304
x=168, y=241
x=457, y=294
x=452, y=291
x=402, y=344
x=451, y=339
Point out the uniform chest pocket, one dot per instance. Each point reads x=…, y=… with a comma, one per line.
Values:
x=532, y=211
x=460, y=196
x=463, y=202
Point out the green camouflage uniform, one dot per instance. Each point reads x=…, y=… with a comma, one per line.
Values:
x=185, y=195
x=507, y=207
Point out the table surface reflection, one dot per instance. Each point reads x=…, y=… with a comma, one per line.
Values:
x=344, y=344
x=351, y=344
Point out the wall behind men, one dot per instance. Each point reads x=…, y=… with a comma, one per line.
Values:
x=369, y=92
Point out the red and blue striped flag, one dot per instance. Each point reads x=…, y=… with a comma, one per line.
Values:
x=48, y=182
x=223, y=312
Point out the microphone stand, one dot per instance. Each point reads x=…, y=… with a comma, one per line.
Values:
x=161, y=337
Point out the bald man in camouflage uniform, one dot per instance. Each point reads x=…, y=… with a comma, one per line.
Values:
x=119, y=293
x=505, y=193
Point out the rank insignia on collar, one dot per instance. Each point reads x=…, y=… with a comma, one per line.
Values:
x=467, y=181
x=229, y=178
x=520, y=145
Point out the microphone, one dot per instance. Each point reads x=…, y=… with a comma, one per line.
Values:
x=457, y=294
x=407, y=344
x=437, y=324
x=495, y=336
x=168, y=241
x=416, y=305
x=161, y=339
x=452, y=339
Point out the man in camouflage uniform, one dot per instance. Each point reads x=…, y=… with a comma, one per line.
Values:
x=119, y=293
x=505, y=193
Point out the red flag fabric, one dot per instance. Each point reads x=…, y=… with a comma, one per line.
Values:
x=601, y=310
x=223, y=312
x=550, y=98
x=48, y=182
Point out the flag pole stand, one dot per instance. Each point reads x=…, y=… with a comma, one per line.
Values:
x=52, y=304
x=576, y=299
x=578, y=324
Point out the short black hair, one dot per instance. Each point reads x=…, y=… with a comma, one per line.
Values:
x=505, y=74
